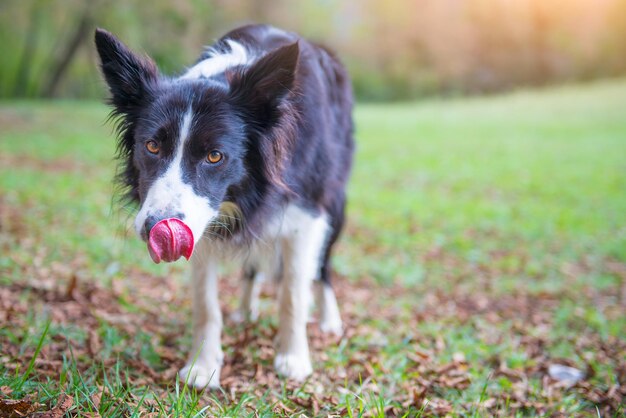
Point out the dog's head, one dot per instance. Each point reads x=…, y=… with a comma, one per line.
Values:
x=189, y=145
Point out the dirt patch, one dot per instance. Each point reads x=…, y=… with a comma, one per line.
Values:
x=54, y=166
x=15, y=120
x=11, y=221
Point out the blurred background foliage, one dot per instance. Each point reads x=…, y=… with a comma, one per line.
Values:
x=395, y=49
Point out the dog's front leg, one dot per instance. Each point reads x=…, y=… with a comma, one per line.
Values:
x=205, y=360
x=301, y=254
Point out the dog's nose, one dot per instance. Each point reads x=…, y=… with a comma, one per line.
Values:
x=152, y=220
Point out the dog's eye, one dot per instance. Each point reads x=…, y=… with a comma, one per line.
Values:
x=214, y=157
x=153, y=147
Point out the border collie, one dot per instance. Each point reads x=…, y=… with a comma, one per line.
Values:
x=246, y=155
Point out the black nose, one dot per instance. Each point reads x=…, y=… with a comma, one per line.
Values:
x=150, y=222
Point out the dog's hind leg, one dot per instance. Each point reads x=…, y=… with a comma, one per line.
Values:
x=205, y=360
x=251, y=287
x=261, y=264
x=329, y=317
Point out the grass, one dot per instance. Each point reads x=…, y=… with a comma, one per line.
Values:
x=486, y=239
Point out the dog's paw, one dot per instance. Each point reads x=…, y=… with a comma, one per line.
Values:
x=200, y=377
x=332, y=326
x=293, y=366
x=239, y=316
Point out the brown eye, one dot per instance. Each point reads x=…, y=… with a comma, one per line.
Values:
x=214, y=157
x=153, y=147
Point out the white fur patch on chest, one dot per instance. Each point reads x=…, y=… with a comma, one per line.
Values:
x=306, y=231
x=217, y=63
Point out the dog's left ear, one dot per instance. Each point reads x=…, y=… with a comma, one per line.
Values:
x=261, y=88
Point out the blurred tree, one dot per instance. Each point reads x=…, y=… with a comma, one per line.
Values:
x=540, y=27
x=614, y=42
x=395, y=49
x=31, y=39
x=62, y=62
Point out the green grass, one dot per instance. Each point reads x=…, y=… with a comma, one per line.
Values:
x=545, y=168
x=493, y=200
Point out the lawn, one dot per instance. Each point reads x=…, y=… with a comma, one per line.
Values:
x=485, y=249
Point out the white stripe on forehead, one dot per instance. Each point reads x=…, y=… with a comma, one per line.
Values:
x=183, y=136
x=174, y=173
x=218, y=62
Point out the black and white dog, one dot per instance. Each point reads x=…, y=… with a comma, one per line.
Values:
x=245, y=154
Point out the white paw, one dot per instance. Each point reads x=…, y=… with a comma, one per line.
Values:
x=293, y=366
x=200, y=377
x=239, y=316
x=332, y=326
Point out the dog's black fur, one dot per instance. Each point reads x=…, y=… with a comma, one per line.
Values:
x=277, y=110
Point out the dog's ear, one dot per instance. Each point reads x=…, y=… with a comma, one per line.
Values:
x=261, y=88
x=130, y=77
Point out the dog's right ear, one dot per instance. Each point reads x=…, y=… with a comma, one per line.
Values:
x=131, y=78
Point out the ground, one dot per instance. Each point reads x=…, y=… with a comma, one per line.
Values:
x=485, y=249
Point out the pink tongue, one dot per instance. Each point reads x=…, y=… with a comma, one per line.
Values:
x=169, y=240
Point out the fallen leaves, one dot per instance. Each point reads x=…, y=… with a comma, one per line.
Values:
x=421, y=378
x=11, y=408
x=64, y=403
